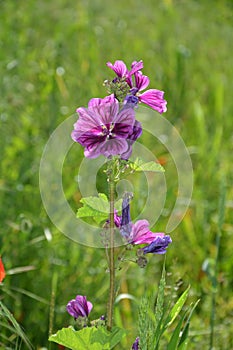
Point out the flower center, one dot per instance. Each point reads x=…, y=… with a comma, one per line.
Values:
x=107, y=130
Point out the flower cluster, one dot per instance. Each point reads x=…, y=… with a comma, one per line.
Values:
x=136, y=82
x=108, y=126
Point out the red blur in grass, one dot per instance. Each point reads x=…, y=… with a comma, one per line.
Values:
x=2, y=271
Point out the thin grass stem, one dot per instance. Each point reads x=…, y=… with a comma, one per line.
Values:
x=111, y=188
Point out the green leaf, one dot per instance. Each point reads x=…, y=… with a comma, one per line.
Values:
x=76, y=340
x=88, y=338
x=174, y=341
x=184, y=343
x=139, y=165
x=103, y=336
x=176, y=309
x=96, y=207
x=116, y=336
x=184, y=337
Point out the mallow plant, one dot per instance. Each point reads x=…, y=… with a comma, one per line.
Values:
x=108, y=127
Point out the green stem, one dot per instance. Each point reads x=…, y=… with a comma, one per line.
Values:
x=221, y=209
x=111, y=188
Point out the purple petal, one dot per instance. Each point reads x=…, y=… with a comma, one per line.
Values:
x=126, y=224
x=119, y=68
x=127, y=154
x=94, y=102
x=104, y=109
x=79, y=307
x=117, y=219
x=137, y=131
x=126, y=116
x=141, y=233
x=131, y=101
x=93, y=151
x=89, y=138
x=84, y=305
x=158, y=246
x=112, y=147
x=135, y=67
x=154, y=99
x=87, y=120
x=136, y=344
x=99, y=112
x=89, y=306
x=141, y=81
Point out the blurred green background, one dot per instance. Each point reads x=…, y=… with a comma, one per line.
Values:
x=52, y=60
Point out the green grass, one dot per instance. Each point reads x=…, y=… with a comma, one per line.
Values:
x=187, y=51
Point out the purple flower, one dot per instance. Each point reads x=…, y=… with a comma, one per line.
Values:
x=158, y=246
x=79, y=307
x=136, y=344
x=103, y=128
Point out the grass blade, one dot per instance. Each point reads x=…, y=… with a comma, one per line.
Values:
x=17, y=329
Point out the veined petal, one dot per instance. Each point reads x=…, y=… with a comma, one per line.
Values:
x=112, y=147
x=135, y=134
x=79, y=307
x=94, y=102
x=118, y=67
x=137, y=131
x=141, y=233
x=141, y=81
x=127, y=154
x=87, y=120
x=86, y=139
x=135, y=67
x=104, y=109
x=154, y=99
x=99, y=112
x=125, y=116
x=93, y=150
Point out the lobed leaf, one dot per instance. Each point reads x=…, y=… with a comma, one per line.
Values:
x=88, y=338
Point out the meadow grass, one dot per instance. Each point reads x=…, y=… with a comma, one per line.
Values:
x=52, y=60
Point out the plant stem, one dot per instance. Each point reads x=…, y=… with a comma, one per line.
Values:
x=221, y=209
x=111, y=188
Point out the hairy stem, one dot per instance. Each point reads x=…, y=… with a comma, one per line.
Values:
x=111, y=188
